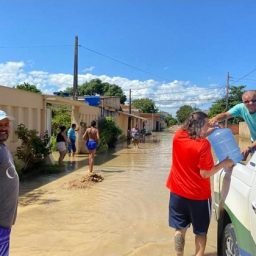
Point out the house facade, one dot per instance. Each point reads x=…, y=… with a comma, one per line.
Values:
x=34, y=111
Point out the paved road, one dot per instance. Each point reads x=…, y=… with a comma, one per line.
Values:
x=125, y=215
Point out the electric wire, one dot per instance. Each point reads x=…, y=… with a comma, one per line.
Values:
x=35, y=46
x=121, y=62
x=242, y=77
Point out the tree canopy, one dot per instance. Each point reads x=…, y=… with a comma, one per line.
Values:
x=145, y=105
x=96, y=86
x=28, y=87
x=61, y=115
x=183, y=112
x=170, y=120
x=235, y=97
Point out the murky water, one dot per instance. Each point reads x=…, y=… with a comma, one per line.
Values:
x=126, y=214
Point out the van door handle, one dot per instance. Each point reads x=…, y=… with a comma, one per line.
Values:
x=254, y=206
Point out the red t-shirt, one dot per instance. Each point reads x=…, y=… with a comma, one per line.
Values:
x=189, y=156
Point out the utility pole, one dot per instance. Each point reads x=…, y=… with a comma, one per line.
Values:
x=75, y=88
x=130, y=110
x=227, y=95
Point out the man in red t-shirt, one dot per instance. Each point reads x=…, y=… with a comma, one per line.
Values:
x=189, y=182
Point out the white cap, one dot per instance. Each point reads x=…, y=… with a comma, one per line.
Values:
x=3, y=115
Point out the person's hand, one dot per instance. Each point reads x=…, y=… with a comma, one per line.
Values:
x=246, y=152
x=228, y=164
x=213, y=121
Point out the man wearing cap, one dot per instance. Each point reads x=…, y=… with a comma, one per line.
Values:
x=9, y=186
x=246, y=110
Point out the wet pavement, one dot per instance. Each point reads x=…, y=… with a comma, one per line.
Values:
x=124, y=215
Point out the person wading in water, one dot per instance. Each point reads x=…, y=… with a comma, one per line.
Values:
x=91, y=137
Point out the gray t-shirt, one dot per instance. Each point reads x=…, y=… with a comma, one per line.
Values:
x=9, y=188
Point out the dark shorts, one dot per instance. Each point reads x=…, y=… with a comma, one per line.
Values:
x=4, y=241
x=183, y=212
x=91, y=144
x=72, y=146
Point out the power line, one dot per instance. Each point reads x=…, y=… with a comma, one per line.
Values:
x=118, y=61
x=172, y=91
x=253, y=80
x=167, y=94
x=252, y=71
x=88, y=49
x=36, y=46
x=189, y=100
x=121, y=62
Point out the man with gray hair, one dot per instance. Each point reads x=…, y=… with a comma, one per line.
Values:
x=9, y=186
x=246, y=110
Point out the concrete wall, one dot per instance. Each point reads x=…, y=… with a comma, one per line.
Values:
x=122, y=122
x=31, y=110
x=26, y=107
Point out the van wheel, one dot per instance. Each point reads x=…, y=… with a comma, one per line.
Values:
x=229, y=242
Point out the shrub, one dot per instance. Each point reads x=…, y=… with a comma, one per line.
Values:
x=109, y=132
x=33, y=149
x=53, y=143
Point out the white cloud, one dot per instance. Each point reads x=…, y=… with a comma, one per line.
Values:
x=89, y=69
x=167, y=96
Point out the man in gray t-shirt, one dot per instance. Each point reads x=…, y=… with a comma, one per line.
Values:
x=9, y=186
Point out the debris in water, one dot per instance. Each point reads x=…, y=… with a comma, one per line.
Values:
x=85, y=181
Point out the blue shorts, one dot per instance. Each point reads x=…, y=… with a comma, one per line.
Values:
x=183, y=212
x=72, y=146
x=91, y=144
x=4, y=241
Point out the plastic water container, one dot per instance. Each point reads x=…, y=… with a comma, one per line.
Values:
x=224, y=145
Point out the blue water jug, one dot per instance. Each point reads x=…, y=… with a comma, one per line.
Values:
x=224, y=145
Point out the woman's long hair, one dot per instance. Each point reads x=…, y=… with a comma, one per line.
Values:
x=194, y=124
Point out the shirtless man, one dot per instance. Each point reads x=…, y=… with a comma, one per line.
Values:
x=91, y=136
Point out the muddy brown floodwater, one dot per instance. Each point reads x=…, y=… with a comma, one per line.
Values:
x=124, y=215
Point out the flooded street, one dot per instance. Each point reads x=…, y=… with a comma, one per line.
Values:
x=125, y=215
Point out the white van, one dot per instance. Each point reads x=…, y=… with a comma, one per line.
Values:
x=235, y=209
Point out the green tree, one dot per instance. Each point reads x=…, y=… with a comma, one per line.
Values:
x=93, y=87
x=28, y=87
x=235, y=97
x=145, y=105
x=170, y=120
x=183, y=113
x=96, y=86
x=61, y=115
x=114, y=90
x=109, y=132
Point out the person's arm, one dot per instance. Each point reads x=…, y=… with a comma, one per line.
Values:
x=220, y=117
x=227, y=164
x=85, y=136
x=64, y=136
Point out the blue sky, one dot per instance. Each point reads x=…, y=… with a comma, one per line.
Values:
x=175, y=52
